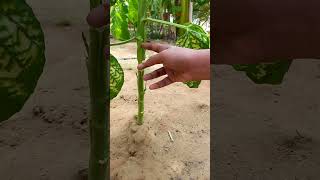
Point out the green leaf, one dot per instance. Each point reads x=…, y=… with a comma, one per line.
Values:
x=193, y=84
x=112, y=2
x=133, y=11
x=201, y=2
x=116, y=77
x=119, y=20
x=265, y=73
x=22, y=55
x=194, y=38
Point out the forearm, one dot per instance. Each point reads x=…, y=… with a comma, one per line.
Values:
x=252, y=31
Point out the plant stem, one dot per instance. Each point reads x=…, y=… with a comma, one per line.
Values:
x=141, y=35
x=99, y=103
x=184, y=18
x=123, y=42
x=166, y=23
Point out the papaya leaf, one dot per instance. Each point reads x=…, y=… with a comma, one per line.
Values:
x=194, y=38
x=119, y=20
x=22, y=55
x=133, y=12
x=265, y=73
x=193, y=84
x=116, y=77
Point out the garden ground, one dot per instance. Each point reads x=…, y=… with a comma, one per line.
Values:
x=264, y=132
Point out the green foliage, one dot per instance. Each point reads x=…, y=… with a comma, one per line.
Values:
x=112, y=2
x=22, y=56
x=201, y=2
x=133, y=11
x=194, y=38
x=116, y=77
x=119, y=20
x=265, y=73
x=201, y=12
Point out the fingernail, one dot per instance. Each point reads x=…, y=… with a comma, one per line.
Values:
x=140, y=66
x=152, y=87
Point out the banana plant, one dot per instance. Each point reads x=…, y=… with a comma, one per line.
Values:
x=124, y=12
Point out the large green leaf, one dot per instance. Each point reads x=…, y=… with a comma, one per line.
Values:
x=119, y=20
x=116, y=77
x=22, y=55
x=133, y=11
x=194, y=38
x=265, y=73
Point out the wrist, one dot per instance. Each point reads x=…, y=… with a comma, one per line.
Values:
x=200, y=64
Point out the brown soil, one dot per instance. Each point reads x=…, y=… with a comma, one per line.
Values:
x=264, y=132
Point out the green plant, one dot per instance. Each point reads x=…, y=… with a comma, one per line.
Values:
x=98, y=74
x=135, y=12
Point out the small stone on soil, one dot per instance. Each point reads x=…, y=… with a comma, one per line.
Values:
x=37, y=110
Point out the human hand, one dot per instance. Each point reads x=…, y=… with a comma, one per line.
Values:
x=179, y=64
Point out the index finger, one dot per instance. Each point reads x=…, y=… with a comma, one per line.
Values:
x=156, y=47
x=153, y=60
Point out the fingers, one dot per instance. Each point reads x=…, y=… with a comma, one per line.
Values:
x=164, y=82
x=153, y=60
x=98, y=16
x=155, y=74
x=156, y=47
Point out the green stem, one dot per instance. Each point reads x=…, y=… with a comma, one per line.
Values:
x=141, y=36
x=166, y=23
x=184, y=18
x=99, y=103
x=123, y=42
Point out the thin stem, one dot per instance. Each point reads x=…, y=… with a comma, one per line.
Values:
x=184, y=18
x=99, y=103
x=166, y=23
x=141, y=36
x=123, y=42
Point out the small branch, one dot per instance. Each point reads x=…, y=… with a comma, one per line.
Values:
x=299, y=135
x=170, y=136
x=123, y=42
x=85, y=42
x=129, y=58
x=166, y=23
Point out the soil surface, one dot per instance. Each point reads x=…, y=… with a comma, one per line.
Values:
x=49, y=139
x=263, y=132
